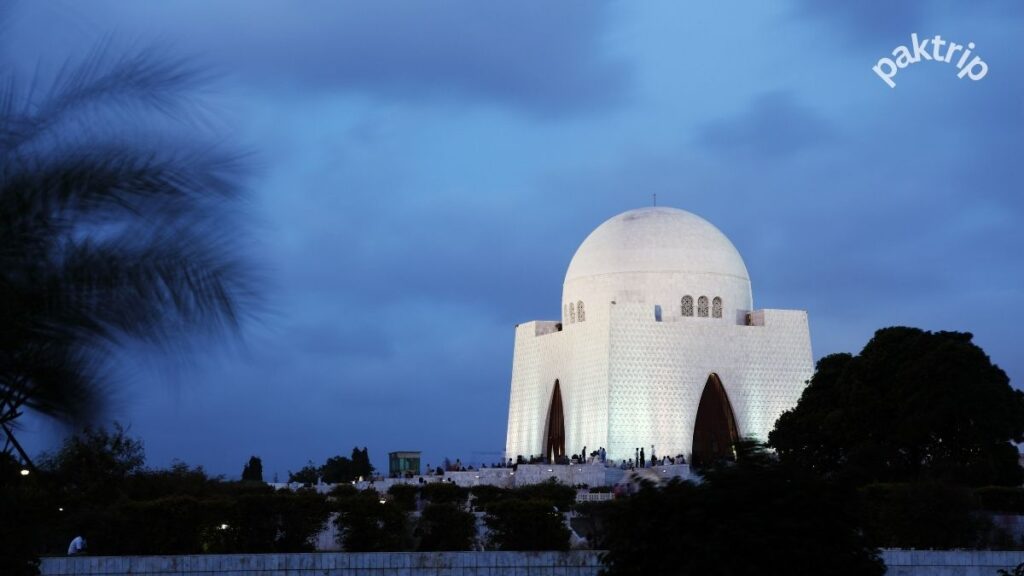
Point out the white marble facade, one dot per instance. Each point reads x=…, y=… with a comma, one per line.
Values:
x=632, y=365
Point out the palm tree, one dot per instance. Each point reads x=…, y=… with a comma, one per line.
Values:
x=111, y=230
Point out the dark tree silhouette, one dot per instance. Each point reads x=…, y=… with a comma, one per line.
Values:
x=912, y=405
x=754, y=516
x=253, y=470
x=115, y=226
x=308, y=474
x=446, y=527
x=366, y=523
x=526, y=525
x=337, y=469
x=361, y=462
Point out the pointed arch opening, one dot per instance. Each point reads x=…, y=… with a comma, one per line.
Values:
x=714, y=432
x=554, y=438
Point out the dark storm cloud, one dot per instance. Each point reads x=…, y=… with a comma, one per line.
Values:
x=546, y=58
x=415, y=214
x=360, y=339
x=441, y=255
x=775, y=125
x=866, y=20
x=869, y=23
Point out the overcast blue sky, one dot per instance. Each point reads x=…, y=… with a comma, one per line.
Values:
x=427, y=169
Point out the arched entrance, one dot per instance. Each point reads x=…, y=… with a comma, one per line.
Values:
x=714, y=432
x=554, y=439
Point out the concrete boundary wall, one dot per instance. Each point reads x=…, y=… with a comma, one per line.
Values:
x=950, y=562
x=575, y=563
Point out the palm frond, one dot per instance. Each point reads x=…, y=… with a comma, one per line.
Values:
x=58, y=380
x=146, y=80
x=104, y=241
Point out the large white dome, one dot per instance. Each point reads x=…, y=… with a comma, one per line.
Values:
x=656, y=240
x=658, y=255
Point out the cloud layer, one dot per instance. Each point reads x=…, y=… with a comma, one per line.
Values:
x=427, y=174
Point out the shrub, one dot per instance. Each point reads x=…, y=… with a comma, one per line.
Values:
x=366, y=524
x=526, y=525
x=1001, y=499
x=750, y=517
x=444, y=493
x=404, y=496
x=561, y=496
x=920, y=515
x=446, y=527
x=485, y=495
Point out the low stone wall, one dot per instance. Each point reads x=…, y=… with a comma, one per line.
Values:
x=570, y=475
x=525, y=474
x=577, y=563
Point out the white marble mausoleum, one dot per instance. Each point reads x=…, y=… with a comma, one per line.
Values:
x=659, y=344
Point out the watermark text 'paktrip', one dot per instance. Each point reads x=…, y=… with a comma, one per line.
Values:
x=931, y=49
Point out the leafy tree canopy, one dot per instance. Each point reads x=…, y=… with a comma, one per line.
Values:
x=404, y=496
x=96, y=463
x=923, y=515
x=912, y=405
x=368, y=523
x=444, y=493
x=96, y=486
x=526, y=525
x=446, y=527
x=557, y=494
x=27, y=514
x=308, y=474
x=253, y=470
x=361, y=462
x=561, y=496
x=337, y=469
x=752, y=517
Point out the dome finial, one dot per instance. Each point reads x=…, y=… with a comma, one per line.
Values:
x=654, y=198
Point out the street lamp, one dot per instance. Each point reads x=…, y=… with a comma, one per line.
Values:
x=24, y=472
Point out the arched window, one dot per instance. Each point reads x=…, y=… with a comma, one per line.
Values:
x=687, y=305
x=716, y=307
x=657, y=312
x=702, y=306
x=579, y=311
x=565, y=314
x=572, y=314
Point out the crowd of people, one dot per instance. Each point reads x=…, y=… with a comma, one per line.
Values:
x=595, y=457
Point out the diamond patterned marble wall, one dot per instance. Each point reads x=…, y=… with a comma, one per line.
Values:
x=629, y=381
